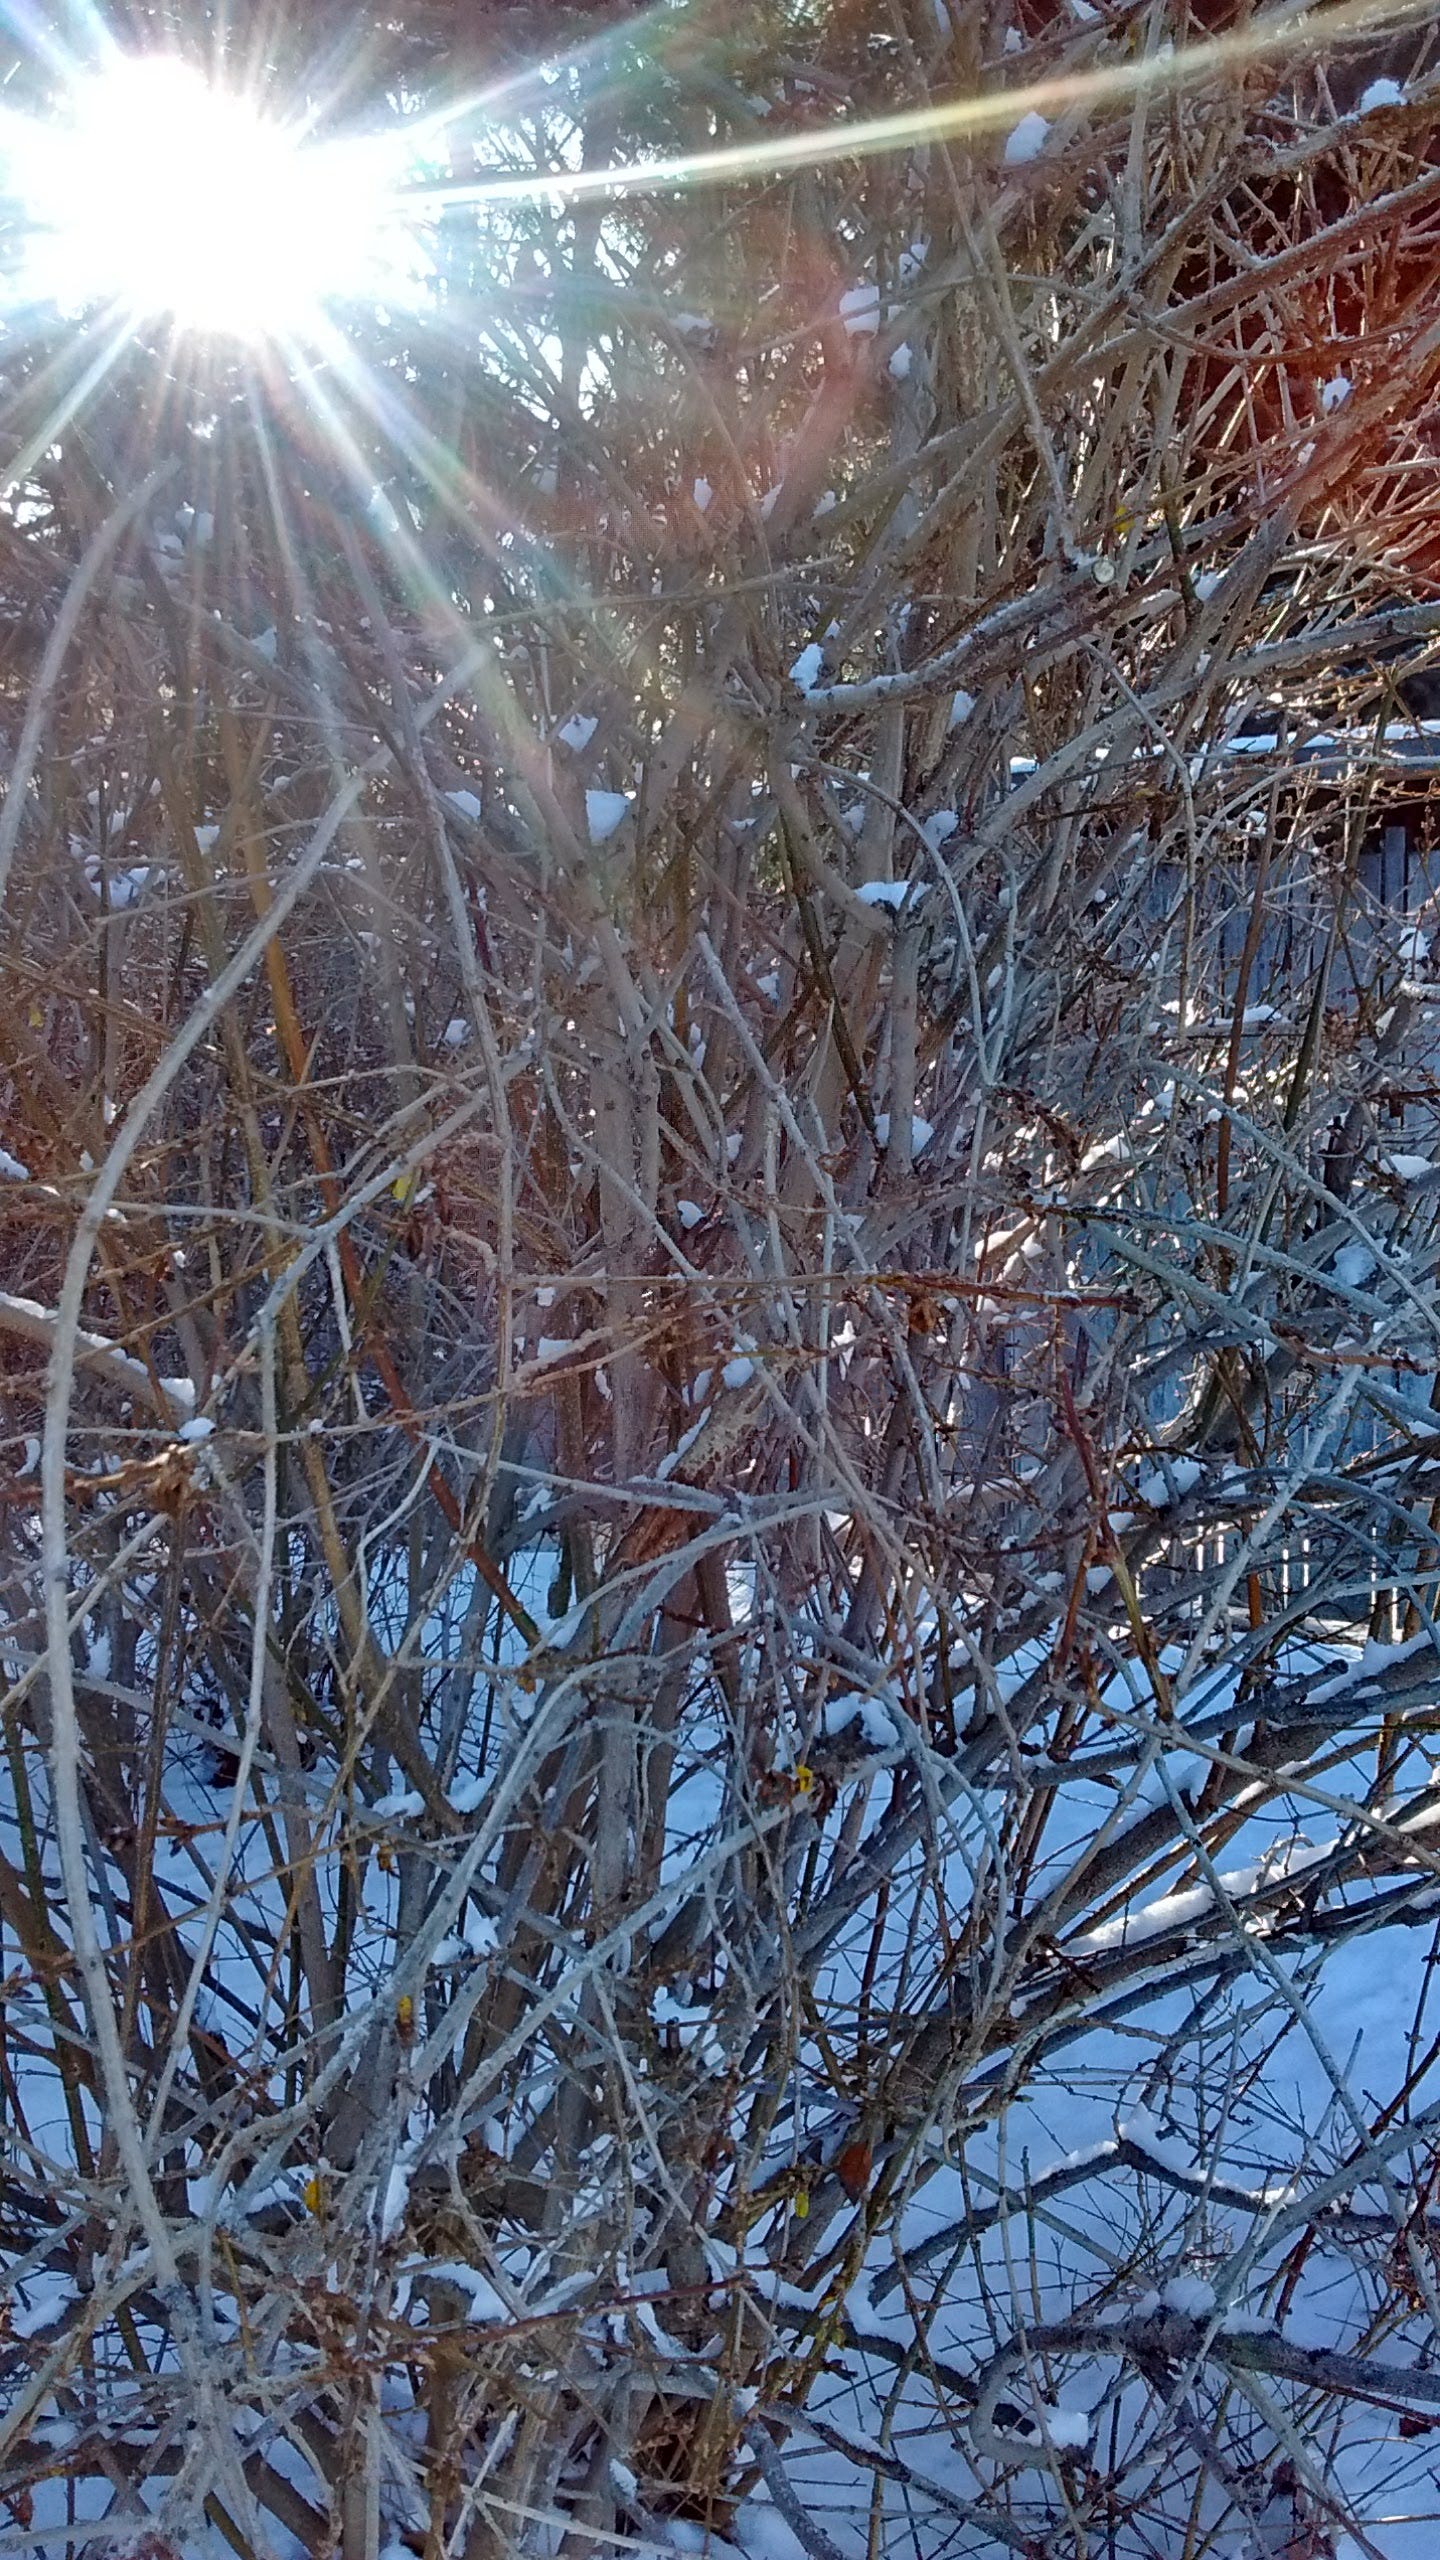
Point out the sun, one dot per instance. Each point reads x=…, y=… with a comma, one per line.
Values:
x=162, y=193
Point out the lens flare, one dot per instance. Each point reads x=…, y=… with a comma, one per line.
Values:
x=1293, y=32
x=162, y=193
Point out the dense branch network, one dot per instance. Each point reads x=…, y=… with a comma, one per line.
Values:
x=719, y=1465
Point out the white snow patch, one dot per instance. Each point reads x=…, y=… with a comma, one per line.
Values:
x=1026, y=140
x=1373, y=1659
x=806, y=669
x=485, y=2302
x=695, y=2026
x=1189, y=2295
x=396, y=2198
x=666, y=1465
x=876, y=1722
x=604, y=812
x=901, y=360
x=690, y=1214
x=199, y=1427
x=577, y=731
x=921, y=1131
x=1381, y=93
x=960, y=708
x=1142, y=2130
x=1194, y=1902
x=1153, y=1490
x=1354, y=1264
x=465, y=802
x=1335, y=392
x=860, y=310
x=400, y=1807
x=11, y=1168
x=686, y=1442
x=124, y=887
x=48, y=2297
x=702, y=493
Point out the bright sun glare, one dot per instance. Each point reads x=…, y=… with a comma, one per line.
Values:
x=161, y=193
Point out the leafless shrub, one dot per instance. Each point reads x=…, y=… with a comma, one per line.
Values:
x=719, y=1457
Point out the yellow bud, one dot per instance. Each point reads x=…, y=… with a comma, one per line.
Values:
x=800, y=2207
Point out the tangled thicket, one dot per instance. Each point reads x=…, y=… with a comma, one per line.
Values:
x=715, y=1078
